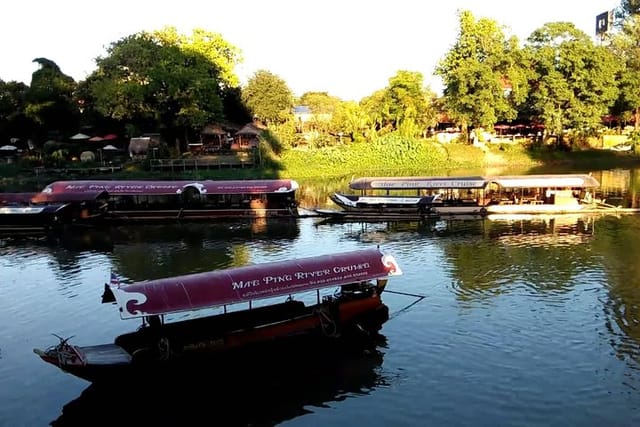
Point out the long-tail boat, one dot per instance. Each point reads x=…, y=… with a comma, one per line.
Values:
x=42, y=212
x=152, y=201
x=417, y=197
x=353, y=310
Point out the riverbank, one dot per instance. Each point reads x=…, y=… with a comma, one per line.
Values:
x=389, y=157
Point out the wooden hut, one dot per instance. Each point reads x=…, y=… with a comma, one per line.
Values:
x=213, y=138
x=247, y=137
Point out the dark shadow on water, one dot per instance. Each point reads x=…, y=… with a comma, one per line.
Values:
x=254, y=389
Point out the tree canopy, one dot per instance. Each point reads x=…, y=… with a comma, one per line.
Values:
x=574, y=80
x=268, y=97
x=484, y=74
x=163, y=80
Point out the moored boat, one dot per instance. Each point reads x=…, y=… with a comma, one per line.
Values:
x=149, y=201
x=413, y=195
x=27, y=213
x=354, y=310
x=422, y=197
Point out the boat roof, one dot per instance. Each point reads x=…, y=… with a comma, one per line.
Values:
x=546, y=181
x=148, y=187
x=43, y=197
x=16, y=198
x=417, y=182
x=251, y=282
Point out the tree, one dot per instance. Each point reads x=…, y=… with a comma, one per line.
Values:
x=574, y=81
x=320, y=102
x=165, y=81
x=350, y=120
x=405, y=105
x=49, y=99
x=268, y=97
x=484, y=74
x=13, y=122
x=630, y=7
x=626, y=46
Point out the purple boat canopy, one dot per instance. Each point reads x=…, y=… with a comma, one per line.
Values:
x=43, y=197
x=252, y=282
x=142, y=187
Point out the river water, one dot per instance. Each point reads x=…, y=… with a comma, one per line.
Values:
x=494, y=322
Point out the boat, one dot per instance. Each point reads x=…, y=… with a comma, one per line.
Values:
x=388, y=198
x=149, y=201
x=353, y=310
x=414, y=196
x=36, y=213
x=544, y=194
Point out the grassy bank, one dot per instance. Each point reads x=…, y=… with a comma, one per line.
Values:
x=390, y=155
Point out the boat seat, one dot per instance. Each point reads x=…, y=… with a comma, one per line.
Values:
x=105, y=354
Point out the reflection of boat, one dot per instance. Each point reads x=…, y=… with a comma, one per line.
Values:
x=387, y=198
x=356, y=310
x=622, y=147
x=187, y=200
x=285, y=384
x=538, y=229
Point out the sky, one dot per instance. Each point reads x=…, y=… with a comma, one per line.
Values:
x=348, y=48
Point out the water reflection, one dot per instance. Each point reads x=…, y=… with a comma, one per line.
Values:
x=250, y=390
x=171, y=248
x=618, y=187
x=622, y=304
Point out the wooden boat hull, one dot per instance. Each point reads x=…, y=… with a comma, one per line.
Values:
x=173, y=215
x=223, y=336
x=30, y=219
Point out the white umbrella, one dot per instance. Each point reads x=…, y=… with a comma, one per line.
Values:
x=80, y=136
x=8, y=147
x=109, y=147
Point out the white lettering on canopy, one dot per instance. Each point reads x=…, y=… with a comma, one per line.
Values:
x=301, y=275
x=429, y=184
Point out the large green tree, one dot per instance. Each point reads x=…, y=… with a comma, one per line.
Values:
x=405, y=105
x=350, y=120
x=13, y=122
x=320, y=102
x=484, y=74
x=49, y=99
x=164, y=81
x=626, y=46
x=575, y=80
x=268, y=97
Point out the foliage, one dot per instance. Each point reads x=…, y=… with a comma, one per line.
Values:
x=268, y=97
x=630, y=7
x=625, y=45
x=320, y=102
x=391, y=152
x=49, y=99
x=574, y=81
x=163, y=80
x=484, y=74
x=404, y=105
x=350, y=120
x=13, y=121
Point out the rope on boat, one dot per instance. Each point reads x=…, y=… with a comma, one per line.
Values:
x=164, y=348
x=327, y=323
x=418, y=297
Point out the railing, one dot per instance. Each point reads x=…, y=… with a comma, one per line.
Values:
x=205, y=163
